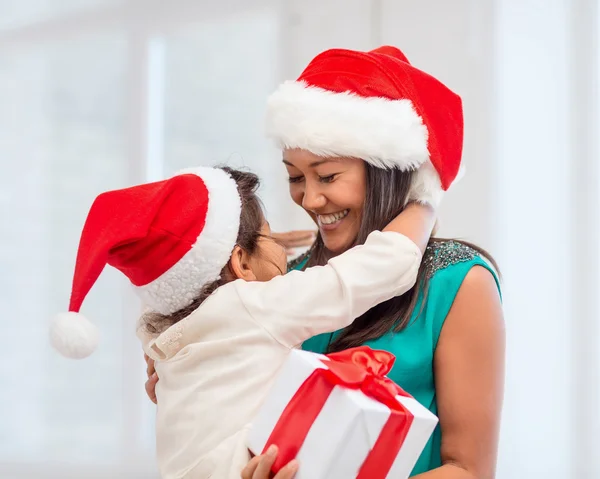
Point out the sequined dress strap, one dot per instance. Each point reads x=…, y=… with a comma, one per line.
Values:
x=296, y=263
x=441, y=254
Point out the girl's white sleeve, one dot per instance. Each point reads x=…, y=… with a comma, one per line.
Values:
x=142, y=333
x=302, y=304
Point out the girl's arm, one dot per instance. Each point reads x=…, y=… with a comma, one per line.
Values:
x=299, y=305
x=415, y=223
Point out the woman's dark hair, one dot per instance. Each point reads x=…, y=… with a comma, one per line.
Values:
x=251, y=222
x=386, y=196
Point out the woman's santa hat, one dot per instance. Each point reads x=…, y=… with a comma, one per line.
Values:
x=375, y=106
x=170, y=238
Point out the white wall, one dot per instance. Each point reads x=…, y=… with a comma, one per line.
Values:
x=97, y=94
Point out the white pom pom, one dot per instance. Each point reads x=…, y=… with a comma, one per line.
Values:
x=73, y=335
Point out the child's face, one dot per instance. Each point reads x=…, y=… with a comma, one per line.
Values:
x=271, y=259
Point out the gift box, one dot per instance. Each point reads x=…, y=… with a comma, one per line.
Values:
x=342, y=418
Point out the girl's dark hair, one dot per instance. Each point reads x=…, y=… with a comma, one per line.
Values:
x=386, y=196
x=251, y=222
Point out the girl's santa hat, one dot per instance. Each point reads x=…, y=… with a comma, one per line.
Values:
x=377, y=107
x=170, y=238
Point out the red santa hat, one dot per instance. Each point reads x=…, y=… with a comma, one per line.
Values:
x=169, y=238
x=375, y=106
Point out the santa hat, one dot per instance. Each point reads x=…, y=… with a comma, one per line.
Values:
x=170, y=238
x=375, y=106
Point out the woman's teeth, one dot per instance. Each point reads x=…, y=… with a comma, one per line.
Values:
x=330, y=219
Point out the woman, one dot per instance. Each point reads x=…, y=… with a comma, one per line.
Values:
x=362, y=133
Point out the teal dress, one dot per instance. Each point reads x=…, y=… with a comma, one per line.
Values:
x=447, y=263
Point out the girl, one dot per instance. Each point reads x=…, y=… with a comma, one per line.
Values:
x=340, y=125
x=198, y=250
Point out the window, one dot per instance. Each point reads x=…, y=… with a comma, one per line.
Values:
x=62, y=143
x=84, y=109
x=217, y=77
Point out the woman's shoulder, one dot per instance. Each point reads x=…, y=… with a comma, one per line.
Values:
x=298, y=263
x=450, y=260
x=448, y=265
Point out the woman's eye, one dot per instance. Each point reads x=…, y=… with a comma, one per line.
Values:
x=327, y=179
x=295, y=179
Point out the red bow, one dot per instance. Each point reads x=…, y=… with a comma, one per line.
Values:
x=359, y=368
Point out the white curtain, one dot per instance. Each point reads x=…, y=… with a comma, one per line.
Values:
x=99, y=94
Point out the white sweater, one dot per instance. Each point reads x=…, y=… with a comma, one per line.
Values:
x=216, y=365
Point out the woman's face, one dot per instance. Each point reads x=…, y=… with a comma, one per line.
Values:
x=332, y=191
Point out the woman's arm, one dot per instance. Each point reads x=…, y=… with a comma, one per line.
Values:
x=469, y=379
x=469, y=375
x=295, y=239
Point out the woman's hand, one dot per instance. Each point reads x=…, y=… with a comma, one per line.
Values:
x=260, y=467
x=295, y=239
x=152, y=379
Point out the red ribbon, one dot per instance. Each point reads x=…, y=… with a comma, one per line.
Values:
x=359, y=368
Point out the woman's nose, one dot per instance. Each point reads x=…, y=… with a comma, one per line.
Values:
x=313, y=199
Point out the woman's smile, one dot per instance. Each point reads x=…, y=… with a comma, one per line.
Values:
x=331, y=221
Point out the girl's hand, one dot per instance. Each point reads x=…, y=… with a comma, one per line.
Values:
x=152, y=379
x=260, y=467
x=416, y=222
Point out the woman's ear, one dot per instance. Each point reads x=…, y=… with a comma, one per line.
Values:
x=239, y=264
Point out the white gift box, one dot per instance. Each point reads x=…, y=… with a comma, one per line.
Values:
x=346, y=428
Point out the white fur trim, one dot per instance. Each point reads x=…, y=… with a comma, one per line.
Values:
x=385, y=133
x=180, y=285
x=73, y=335
x=426, y=186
